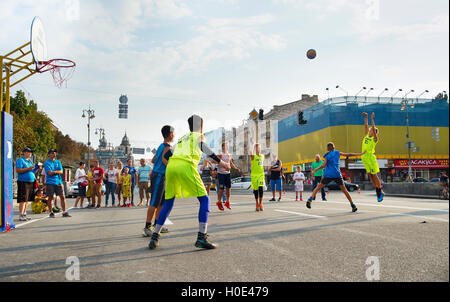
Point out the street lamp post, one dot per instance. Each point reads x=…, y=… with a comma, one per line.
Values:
x=90, y=115
x=405, y=107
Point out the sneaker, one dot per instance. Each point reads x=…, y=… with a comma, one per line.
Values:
x=27, y=218
x=324, y=199
x=66, y=214
x=257, y=208
x=380, y=198
x=273, y=199
x=154, y=241
x=308, y=203
x=227, y=204
x=164, y=230
x=301, y=198
x=220, y=206
x=56, y=210
x=130, y=205
x=354, y=209
x=148, y=231
x=203, y=243
x=261, y=207
x=22, y=218
x=279, y=199
x=52, y=215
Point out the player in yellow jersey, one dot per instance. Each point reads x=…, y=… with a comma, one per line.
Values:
x=257, y=176
x=183, y=180
x=369, y=160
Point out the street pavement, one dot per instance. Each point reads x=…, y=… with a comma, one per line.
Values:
x=402, y=239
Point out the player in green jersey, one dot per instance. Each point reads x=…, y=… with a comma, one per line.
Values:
x=369, y=160
x=257, y=176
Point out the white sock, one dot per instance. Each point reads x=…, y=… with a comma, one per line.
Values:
x=158, y=228
x=202, y=227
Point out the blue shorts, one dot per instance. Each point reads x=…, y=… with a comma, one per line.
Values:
x=157, y=189
x=275, y=185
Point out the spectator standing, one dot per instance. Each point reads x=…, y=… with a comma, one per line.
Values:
x=132, y=172
x=143, y=176
x=82, y=182
x=126, y=182
x=97, y=176
x=119, y=182
x=299, y=177
x=25, y=169
x=317, y=176
x=53, y=182
x=275, y=178
x=112, y=177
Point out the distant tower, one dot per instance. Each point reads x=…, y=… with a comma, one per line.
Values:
x=123, y=107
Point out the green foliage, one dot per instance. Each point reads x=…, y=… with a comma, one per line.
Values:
x=34, y=129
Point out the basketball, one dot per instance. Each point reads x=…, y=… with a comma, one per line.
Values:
x=311, y=54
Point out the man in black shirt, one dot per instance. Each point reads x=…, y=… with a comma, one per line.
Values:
x=275, y=178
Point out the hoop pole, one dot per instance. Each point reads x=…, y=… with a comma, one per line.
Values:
x=21, y=68
x=17, y=49
x=18, y=81
x=8, y=71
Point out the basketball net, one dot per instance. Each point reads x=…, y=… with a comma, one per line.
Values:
x=60, y=69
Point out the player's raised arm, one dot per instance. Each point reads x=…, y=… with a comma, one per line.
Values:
x=366, y=123
x=375, y=132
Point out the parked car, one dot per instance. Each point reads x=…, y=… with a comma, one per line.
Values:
x=420, y=179
x=73, y=190
x=350, y=186
x=435, y=180
x=243, y=183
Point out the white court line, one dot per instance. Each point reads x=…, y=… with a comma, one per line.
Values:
x=301, y=214
x=34, y=220
x=389, y=206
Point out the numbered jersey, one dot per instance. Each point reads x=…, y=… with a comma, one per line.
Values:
x=368, y=144
x=257, y=165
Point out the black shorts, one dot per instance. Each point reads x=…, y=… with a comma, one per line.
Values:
x=224, y=181
x=25, y=191
x=81, y=190
x=339, y=181
x=51, y=190
x=157, y=185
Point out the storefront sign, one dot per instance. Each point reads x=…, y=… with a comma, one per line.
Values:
x=421, y=163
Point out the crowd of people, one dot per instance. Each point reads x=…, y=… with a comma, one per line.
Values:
x=119, y=182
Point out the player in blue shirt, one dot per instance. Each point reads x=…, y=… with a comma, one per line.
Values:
x=158, y=180
x=332, y=173
x=53, y=182
x=25, y=169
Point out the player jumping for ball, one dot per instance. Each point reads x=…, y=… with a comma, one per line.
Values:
x=369, y=160
x=332, y=173
x=183, y=180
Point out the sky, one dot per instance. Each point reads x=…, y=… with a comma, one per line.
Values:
x=222, y=58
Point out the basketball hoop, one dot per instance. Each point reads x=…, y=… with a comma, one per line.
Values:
x=60, y=69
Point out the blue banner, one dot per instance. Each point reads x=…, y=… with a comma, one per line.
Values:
x=7, y=213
